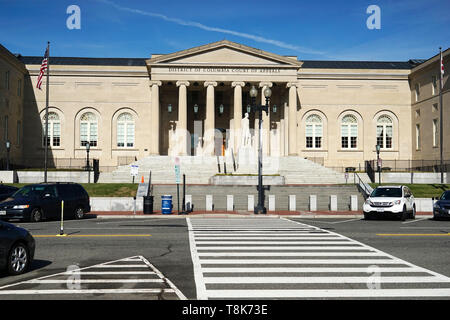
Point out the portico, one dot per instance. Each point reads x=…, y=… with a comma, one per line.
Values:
x=202, y=95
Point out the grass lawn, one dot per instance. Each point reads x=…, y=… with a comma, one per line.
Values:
x=129, y=189
x=421, y=190
x=103, y=189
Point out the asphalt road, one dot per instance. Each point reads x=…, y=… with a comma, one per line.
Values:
x=164, y=244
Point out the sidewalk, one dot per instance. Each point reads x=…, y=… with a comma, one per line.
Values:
x=235, y=214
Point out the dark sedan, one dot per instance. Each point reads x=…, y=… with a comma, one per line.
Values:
x=17, y=247
x=441, y=208
x=6, y=191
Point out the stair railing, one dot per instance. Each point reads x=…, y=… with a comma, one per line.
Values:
x=362, y=186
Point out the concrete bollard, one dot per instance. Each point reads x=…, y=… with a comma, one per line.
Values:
x=209, y=202
x=251, y=202
x=354, y=202
x=271, y=202
x=312, y=202
x=292, y=202
x=333, y=203
x=230, y=202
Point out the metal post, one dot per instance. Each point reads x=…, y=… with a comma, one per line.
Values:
x=46, y=113
x=441, y=116
x=183, y=204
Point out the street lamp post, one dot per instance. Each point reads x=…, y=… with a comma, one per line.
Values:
x=378, y=147
x=8, y=148
x=88, y=147
x=260, y=108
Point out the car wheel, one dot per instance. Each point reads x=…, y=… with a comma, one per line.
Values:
x=36, y=215
x=367, y=216
x=79, y=213
x=413, y=212
x=18, y=259
x=403, y=214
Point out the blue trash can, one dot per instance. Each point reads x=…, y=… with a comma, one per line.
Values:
x=166, y=205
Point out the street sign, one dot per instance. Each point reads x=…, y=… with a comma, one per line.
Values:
x=177, y=174
x=134, y=169
x=177, y=171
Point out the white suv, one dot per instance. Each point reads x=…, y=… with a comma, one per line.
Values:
x=392, y=200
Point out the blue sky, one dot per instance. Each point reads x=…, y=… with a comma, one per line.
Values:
x=311, y=30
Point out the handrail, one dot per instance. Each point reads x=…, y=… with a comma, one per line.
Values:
x=362, y=185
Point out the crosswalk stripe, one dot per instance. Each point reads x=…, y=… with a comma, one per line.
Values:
x=201, y=239
x=280, y=248
x=328, y=293
x=99, y=281
x=299, y=261
x=107, y=272
x=272, y=242
x=84, y=291
x=259, y=280
x=287, y=254
x=307, y=270
x=282, y=253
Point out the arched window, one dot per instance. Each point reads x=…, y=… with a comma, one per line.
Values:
x=88, y=129
x=349, y=132
x=125, y=130
x=54, y=130
x=313, y=132
x=384, y=132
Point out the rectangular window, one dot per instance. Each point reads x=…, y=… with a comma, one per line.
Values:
x=56, y=134
x=433, y=85
x=120, y=135
x=344, y=137
x=130, y=135
x=388, y=137
x=84, y=133
x=309, y=136
x=435, y=132
x=93, y=134
x=7, y=80
x=417, y=136
x=380, y=136
x=5, y=135
x=19, y=130
x=417, y=89
x=19, y=87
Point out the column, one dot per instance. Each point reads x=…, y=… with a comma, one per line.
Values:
x=154, y=117
x=208, y=145
x=237, y=113
x=182, y=117
x=266, y=119
x=292, y=118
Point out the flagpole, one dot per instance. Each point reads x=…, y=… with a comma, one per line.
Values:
x=46, y=113
x=441, y=116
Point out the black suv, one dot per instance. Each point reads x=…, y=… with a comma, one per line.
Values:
x=36, y=202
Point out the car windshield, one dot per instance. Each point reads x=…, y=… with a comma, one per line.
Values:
x=28, y=191
x=445, y=195
x=387, y=192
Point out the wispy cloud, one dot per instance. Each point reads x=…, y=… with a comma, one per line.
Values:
x=194, y=24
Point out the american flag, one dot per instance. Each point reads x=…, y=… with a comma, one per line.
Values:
x=44, y=67
x=442, y=72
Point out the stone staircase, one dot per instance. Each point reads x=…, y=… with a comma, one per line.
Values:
x=199, y=170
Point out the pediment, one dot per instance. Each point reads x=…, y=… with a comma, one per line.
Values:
x=224, y=53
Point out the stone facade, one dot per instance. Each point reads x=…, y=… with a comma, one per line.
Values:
x=191, y=103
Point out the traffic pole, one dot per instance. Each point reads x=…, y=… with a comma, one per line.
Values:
x=61, y=232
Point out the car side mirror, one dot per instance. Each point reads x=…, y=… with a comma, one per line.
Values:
x=47, y=195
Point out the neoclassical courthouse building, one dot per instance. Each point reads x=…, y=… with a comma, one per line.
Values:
x=128, y=108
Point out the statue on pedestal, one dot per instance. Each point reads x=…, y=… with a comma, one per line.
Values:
x=246, y=139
